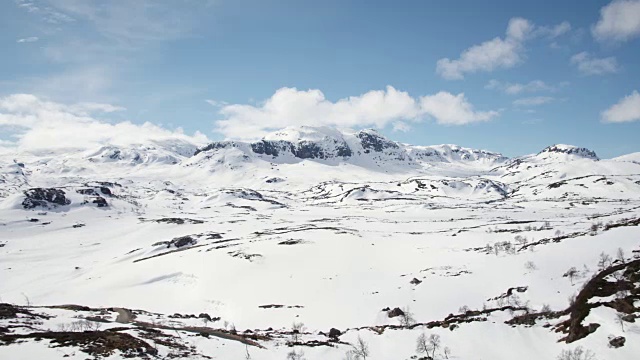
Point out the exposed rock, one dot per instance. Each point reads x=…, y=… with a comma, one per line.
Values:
x=97, y=343
x=215, y=146
x=178, y=242
x=274, y=180
x=371, y=140
x=208, y=317
x=100, y=201
x=570, y=150
x=178, y=221
x=631, y=318
x=617, y=342
x=334, y=333
x=91, y=192
x=415, y=281
x=44, y=198
x=8, y=311
x=290, y=242
x=395, y=312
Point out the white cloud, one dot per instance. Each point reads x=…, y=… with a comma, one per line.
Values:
x=401, y=126
x=37, y=124
x=216, y=103
x=449, y=109
x=28, y=40
x=553, y=32
x=619, y=21
x=533, y=101
x=499, y=52
x=377, y=108
x=626, y=110
x=102, y=41
x=140, y=20
x=589, y=65
x=47, y=14
x=514, y=89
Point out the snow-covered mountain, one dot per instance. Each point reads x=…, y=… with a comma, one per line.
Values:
x=365, y=146
x=312, y=238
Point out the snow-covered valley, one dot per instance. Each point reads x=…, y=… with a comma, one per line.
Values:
x=303, y=243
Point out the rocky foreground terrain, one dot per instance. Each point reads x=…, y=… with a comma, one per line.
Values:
x=318, y=244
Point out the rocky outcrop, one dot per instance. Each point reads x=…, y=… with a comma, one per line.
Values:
x=617, y=342
x=43, y=197
x=570, y=150
x=372, y=141
x=178, y=242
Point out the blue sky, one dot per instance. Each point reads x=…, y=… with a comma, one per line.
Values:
x=509, y=76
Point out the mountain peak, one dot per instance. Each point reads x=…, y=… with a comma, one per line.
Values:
x=569, y=150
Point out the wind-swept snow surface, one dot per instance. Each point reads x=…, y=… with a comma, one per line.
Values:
x=169, y=251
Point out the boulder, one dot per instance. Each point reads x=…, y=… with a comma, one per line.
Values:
x=100, y=201
x=395, y=312
x=334, y=333
x=617, y=342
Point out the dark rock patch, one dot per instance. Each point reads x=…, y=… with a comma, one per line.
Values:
x=395, y=312
x=617, y=342
x=96, y=343
x=372, y=141
x=291, y=242
x=42, y=197
x=177, y=221
x=8, y=311
x=280, y=306
x=178, y=242
x=100, y=201
x=91, y=192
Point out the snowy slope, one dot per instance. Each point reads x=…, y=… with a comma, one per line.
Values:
x=319, y=227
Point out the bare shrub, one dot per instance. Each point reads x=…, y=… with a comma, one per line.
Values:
x=359, y=351
x=620, y=320
x=296, y=329
x=422, y=344
x=577, y=354
x=522, y=240
x=27, y=301
x=80, y=326
x=406, y=318
x=295, y=355
x=620, y=256
x=530, y=265
x=572, y=273
x=604, y=261
x=427, y=345
x=434, y=344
